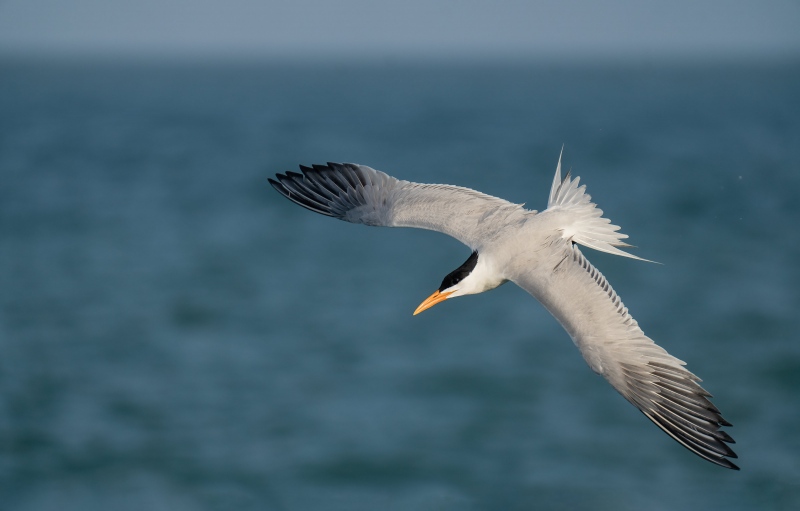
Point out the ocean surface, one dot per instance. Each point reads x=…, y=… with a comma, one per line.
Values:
x=175, y=335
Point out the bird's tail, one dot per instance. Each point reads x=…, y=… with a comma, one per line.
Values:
x=583, y=220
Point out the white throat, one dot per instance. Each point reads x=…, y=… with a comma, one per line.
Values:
x=482, y=278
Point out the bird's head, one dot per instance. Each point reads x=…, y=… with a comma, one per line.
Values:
x=472, y=277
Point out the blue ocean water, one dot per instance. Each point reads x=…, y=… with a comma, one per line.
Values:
x=175, y=335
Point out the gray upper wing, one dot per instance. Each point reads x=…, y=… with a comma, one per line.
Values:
x=612, y=343
x=360, y=194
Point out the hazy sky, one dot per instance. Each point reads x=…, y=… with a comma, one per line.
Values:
x=402, y=27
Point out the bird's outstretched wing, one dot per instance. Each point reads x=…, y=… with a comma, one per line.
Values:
x=360, y=194
x=612, y=343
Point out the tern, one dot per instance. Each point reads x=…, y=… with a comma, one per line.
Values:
x=537, y=251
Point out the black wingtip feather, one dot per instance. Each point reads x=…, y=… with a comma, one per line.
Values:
x=322, y=185
x=331, y=190
x=681, y=408
x=302, y=195
x=284, y=186
x=704, y=451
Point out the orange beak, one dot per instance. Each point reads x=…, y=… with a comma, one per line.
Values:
x=432, y=300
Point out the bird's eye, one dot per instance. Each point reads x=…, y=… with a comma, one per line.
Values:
x=453, y=279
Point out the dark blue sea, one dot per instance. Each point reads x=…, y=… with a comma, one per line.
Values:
x=175, y=335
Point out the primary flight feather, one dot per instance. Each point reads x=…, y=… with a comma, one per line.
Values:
x=539, y=252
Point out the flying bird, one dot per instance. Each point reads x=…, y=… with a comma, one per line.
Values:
x=537, y=251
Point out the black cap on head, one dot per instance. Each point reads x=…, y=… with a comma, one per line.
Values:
x=460, y=273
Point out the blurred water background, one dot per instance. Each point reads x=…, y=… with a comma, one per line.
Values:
x=176, y=335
